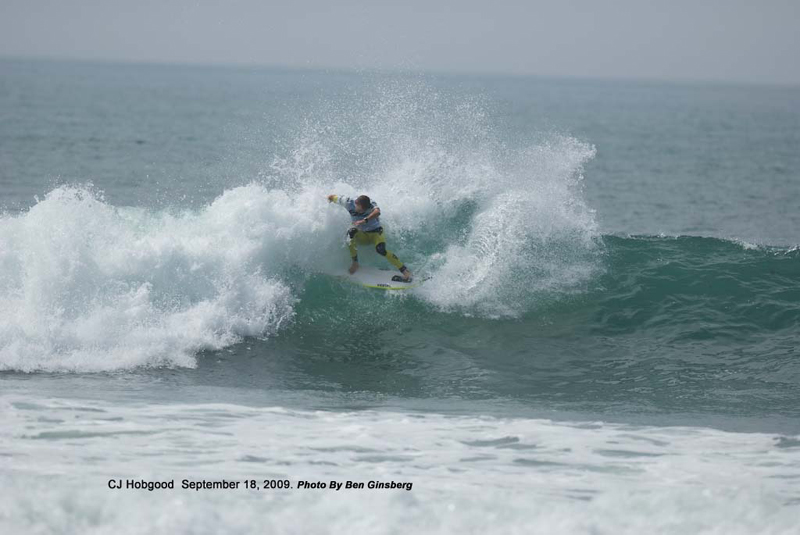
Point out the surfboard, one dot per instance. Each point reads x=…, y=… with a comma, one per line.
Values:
x=381, y=279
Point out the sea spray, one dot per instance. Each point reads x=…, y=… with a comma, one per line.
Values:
x=499, y=227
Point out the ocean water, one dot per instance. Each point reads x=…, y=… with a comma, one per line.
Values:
x=607, y=342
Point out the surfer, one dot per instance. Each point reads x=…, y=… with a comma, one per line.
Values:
x=367, y=229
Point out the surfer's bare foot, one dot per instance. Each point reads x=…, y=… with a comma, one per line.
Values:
x=353, y=267
x=407, y=275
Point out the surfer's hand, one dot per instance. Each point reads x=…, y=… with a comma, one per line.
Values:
x=330, y=198
x=361, y=222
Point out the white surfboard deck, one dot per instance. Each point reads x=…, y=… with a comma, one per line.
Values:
x=381, y=279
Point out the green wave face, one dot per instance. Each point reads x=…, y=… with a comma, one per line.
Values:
x=677, y=324
x=673, y=289
x=690, y=288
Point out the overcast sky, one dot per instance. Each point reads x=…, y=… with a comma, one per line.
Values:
x=737, y=40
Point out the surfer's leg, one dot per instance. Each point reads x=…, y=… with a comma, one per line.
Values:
x=351, y=243
x=355, y=237
x=380, y=247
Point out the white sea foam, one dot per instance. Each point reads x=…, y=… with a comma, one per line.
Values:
x=87, y=286
x=469, y=474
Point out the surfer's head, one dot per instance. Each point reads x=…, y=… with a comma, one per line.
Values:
x=363, y=203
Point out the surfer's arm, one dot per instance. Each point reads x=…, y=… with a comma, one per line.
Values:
x=338, y=199
x=374, y=213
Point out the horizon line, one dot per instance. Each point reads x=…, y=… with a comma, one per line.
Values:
x=401, y=71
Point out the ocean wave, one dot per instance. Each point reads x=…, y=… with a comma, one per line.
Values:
x=502, y=230
x=91, y=286
x=88, y=286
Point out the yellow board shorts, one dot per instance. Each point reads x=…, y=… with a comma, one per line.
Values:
x=375, y=238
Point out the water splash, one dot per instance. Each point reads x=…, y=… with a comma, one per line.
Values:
x=498, y=225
